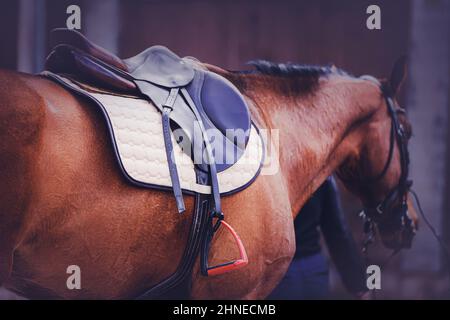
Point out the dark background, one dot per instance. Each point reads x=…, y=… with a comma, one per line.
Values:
x=230, y=33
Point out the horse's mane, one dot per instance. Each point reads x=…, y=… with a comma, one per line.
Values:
x=301, y=77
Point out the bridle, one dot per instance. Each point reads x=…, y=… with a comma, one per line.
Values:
x=399, y=217
x=399, y=194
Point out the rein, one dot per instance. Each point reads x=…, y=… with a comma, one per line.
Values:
x=443, y=246
x=438, y=238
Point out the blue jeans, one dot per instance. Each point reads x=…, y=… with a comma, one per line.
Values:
x=306, y=278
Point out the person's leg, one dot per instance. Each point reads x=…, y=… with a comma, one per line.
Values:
x=306, y=278
x=290, y=287
x=314, y=276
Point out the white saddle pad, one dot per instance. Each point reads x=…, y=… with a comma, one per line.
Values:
x=136, y=130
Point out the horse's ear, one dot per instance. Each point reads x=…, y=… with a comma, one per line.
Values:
x=398, y=74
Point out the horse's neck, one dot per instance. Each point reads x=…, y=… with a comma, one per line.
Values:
x=318, y=131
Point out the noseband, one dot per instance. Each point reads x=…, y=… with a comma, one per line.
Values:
x=400, y=192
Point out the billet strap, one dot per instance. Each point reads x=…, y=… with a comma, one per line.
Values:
x=176, y=186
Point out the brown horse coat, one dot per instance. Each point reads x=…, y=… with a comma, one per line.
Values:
x=64, y=202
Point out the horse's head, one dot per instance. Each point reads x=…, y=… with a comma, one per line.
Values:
x=378, y=172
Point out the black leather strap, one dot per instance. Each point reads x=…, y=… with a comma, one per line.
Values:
x=211, y=162
x=176, y=186
x=216, y=211
x=198, y=229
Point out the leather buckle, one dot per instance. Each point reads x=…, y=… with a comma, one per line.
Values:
x=379, y=208
x=219, y=215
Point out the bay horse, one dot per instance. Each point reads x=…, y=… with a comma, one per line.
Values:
x=64, y=202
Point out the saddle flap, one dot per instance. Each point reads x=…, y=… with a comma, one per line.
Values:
x=225, y=115
x=226, y=108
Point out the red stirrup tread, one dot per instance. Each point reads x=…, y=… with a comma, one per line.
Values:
x=235, y=264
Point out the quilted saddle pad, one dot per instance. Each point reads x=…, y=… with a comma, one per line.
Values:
x=135, y=128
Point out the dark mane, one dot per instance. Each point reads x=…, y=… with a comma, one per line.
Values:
x=293, y=69
x=303, y=78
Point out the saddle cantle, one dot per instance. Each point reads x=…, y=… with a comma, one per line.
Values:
x=196, y=103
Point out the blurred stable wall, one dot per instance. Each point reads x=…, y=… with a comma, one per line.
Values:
x=230, y=33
